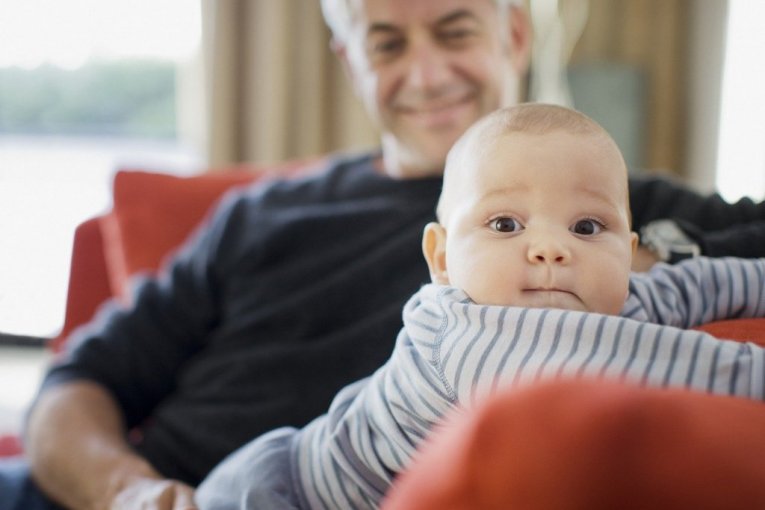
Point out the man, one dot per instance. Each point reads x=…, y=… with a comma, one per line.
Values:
x=268, y=311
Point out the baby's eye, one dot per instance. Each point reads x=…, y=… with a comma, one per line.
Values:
x=587, y=227
x=506, y=224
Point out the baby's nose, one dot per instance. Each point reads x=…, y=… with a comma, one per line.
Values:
x=548, y=250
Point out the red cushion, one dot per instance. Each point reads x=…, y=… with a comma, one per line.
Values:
x=577, y=444
x=10, y=445
x=748, y=330
x=88, y=279
x=153, y=213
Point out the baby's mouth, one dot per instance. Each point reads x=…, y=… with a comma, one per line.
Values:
x=551, y=290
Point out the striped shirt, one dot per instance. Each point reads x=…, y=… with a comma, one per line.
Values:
x=452, y=352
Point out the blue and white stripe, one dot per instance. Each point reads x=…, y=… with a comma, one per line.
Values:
x=452, y=351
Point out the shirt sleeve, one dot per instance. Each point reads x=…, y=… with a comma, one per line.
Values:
x=697, y=291
x=480, y=348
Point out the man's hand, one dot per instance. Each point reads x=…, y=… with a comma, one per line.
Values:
x=154, y=494
x=79, y=456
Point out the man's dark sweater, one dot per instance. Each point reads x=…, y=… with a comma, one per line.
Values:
x=292, y=291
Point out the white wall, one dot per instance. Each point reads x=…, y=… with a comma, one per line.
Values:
x=741, y=150
x=707, y=44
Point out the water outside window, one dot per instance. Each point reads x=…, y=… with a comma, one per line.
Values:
x=86, y=87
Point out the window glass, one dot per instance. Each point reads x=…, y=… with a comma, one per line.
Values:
x=86, y=87
x=741, y=156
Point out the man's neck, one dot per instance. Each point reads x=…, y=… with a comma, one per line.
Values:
x=394, y=166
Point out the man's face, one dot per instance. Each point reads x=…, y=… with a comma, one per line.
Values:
x=541, y=221
x=426, y=70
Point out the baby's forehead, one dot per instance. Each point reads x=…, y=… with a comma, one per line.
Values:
x=498, y=158
x=489, y=148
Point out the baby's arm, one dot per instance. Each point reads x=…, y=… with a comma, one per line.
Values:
x=697, y=291
x=258, y=475
x=452, y=352
x=482, y=348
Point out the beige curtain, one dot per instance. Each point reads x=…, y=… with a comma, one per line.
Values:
x=274, y=89
x=651, y=35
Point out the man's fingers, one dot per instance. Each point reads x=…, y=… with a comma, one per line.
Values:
x=150, y=494
x=184, y=498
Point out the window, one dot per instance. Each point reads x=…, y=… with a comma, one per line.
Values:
x=86, y=87
x=741, y=155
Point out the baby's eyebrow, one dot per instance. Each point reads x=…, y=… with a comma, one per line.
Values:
x=511, y=189
x=599, y=195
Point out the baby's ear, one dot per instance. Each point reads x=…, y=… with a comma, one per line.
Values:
x=434, y=249
x=635, y=239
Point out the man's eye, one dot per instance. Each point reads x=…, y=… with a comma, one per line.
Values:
x=587, y=227
x=455, y=34
x=387, y=47
x=506, y=224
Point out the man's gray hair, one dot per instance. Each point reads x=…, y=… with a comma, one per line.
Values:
x=339, y=18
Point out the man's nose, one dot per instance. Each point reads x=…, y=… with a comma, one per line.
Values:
x=428, y=66
x=548, y=249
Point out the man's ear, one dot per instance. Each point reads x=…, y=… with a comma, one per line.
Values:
x=520, y=37
x=341, y=52
x=434, y=249
x=635, y=239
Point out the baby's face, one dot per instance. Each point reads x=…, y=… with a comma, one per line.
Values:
x=541, y=221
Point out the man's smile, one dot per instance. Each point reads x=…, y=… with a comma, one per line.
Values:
x=437, y=113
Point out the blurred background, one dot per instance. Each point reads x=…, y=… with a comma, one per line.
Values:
x=187, y=86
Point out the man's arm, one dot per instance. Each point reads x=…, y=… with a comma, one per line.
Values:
x=111, y=378
x=719, y=228
x=78, y=454
x=654, y=198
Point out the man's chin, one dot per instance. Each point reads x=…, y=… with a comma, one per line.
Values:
x=432, y=150
x=416, y=158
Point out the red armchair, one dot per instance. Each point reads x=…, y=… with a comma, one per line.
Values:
x=152, y=214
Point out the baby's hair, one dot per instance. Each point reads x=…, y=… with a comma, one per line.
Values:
x=535, y=119
x=530, y=118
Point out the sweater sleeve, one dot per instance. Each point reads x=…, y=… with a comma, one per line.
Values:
x=697, y=291
x=719, y=227
x=738, y=240
x=135, y=350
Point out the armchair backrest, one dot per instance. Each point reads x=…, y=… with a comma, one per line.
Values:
x=152, y=214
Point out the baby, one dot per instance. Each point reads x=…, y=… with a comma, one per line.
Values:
x=530, y=265
x=534, y=212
